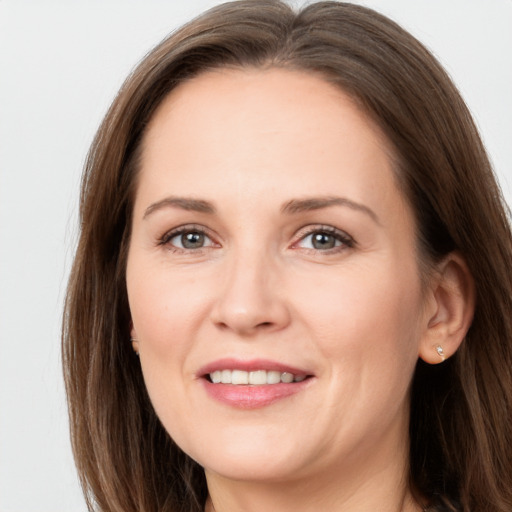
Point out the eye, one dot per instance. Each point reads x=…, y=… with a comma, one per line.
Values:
x=187, y=238
x=190, y=240
x=325, y=239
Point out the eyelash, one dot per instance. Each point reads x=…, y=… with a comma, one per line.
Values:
x=346, y=241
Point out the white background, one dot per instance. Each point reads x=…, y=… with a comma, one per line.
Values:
x=60, y=65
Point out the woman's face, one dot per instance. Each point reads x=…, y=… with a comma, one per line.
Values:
x=271, y=244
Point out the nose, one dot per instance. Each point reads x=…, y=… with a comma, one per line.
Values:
x=251, y=299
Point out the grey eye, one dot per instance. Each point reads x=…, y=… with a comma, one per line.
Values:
x=190, y=240
x=323, y=241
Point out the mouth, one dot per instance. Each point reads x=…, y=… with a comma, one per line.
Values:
x=252, y=384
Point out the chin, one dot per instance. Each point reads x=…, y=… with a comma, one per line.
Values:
x=250, y=455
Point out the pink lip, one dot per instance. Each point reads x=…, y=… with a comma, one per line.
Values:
x=247, y=396
x=249, y=366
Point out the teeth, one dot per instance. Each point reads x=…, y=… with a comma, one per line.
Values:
x=239, y=377
x=255, y=378
x=273, y=377
x=258, y=377
x=287, y=377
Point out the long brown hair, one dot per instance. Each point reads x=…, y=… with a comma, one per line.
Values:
x=461, y=411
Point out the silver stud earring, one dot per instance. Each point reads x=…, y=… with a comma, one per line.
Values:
x=440, y=352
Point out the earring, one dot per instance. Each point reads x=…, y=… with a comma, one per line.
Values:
x=134, y=345
x=440, y=352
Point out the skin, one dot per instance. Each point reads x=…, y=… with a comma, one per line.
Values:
x=355, y=316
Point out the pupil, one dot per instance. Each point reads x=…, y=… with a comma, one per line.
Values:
x=192, y=240
x=323, y=241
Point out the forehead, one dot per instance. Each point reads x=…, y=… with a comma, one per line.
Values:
x=268, y=100
x=253, y=128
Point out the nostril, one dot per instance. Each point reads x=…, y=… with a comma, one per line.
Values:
x=262, y=325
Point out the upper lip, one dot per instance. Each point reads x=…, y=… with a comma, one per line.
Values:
x=249, y=366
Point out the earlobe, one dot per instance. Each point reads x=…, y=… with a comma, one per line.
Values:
x=134, y=340
x=452, y=293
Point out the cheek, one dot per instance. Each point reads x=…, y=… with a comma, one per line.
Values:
x=165, y=305
x=368, y=314
x=165, y=309
x=367, y=325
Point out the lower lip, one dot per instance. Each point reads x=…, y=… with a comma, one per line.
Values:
x=253, y=397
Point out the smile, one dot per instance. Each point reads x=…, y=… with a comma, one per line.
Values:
x=253, y=384
x=253, y=378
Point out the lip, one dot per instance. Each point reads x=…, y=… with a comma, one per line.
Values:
x=249, y=396
x=249, y=366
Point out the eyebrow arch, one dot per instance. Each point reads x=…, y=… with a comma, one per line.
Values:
x=318, y=203
x=184, y=203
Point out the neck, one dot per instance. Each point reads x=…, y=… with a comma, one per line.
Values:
x=257, y=502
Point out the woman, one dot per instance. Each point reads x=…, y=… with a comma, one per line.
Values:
x=290, y=218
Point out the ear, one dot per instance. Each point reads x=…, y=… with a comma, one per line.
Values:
x=450, y=309
x=134, y=339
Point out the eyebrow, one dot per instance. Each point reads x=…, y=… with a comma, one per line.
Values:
x=291, y=207
x=318, y=203
x=184, y=203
